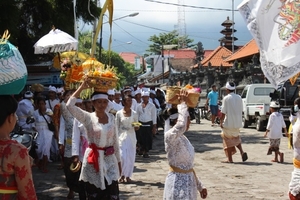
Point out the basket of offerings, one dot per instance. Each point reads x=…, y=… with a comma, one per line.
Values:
x=71, y=73
x=193, y=95
x=172, y=94
x=99, y=77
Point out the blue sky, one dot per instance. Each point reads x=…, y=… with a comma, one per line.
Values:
x=201, y=24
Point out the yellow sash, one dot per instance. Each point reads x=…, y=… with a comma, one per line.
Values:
x=69, y=141
x=178, y=170
x=296, y=163
x=8, y=191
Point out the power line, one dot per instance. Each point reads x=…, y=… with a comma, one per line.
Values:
x=130, y=10
x=147, y=26
x=130, y=33
x=189, y=6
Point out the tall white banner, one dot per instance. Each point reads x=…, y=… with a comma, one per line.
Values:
x=274, y=25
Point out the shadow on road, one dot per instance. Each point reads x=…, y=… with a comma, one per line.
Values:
x=253, y=163
x=148, y=185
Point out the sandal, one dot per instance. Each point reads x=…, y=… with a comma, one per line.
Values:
x=274, y=160
x=145, y=155
x=244, y=156
x=128, y=180
x=121, y=180
x=226, y=161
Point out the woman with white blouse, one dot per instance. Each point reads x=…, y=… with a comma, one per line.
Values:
x=127, y=138
x=181, y=182
x=44, y=138
x=101, y=165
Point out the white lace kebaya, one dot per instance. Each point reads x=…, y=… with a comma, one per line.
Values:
x=102, y=135
x=180, y=155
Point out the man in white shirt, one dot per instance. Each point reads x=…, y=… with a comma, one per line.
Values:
x=232, y=108
x=153, y=99
x=51, y=103
x=112, y=105
x=52, y=98
x=138, y=96
x=147, y=116
x=25, y=110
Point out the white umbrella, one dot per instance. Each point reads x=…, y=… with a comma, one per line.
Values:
x=55, y=41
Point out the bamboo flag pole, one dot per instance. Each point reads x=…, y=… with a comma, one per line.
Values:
x=108, y=5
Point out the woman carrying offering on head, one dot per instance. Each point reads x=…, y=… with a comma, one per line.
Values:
x=127, y=138
x=101, y=165
x=181, y=182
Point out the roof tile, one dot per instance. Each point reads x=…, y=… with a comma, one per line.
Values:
x=129, y=57
x=248, y=49
x=217, y=58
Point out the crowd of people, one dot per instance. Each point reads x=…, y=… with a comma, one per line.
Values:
x=97, y=139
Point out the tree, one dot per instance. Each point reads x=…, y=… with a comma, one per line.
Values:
x=166, y=39
x=29, y=20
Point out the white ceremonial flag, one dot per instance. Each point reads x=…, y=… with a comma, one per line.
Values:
x=274, y=24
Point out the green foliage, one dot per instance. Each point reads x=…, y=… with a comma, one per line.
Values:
x=167, y=39
x=29, y=20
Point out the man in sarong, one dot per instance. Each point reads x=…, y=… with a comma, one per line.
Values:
x=231, y=122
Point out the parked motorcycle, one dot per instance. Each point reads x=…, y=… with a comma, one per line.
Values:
x=195, y=114
x=26, y=137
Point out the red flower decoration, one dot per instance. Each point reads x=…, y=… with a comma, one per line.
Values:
x=30, y=189
x=23, y=153
x=21, y=172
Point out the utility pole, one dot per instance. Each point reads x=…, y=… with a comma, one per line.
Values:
x=163, y=63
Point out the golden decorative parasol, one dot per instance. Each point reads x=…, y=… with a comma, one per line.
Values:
x=74, y=56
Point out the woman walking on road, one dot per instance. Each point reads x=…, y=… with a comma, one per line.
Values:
x=42, y=118
x=181, y=182
x=101, y=165
x=127, y=138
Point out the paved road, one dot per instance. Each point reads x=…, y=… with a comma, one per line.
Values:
x=257, y=178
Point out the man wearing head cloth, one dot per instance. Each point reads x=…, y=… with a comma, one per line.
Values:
x=147, y=116
x=153, y=99
x=114, y=106
x=117, y=98
x=59, y=93
x=52, y=98
x=25, y=110
x=231, y=122
x=51, y=103
x=138, y=96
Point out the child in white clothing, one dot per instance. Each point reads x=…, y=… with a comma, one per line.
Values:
x=274, y=131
